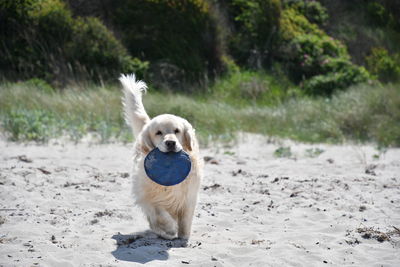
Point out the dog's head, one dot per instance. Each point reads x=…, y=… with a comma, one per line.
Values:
x=167, y=133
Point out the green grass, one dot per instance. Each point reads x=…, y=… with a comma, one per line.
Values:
x=29, y=113
x=242, y=88
x=361, y=114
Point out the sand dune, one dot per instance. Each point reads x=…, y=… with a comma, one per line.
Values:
x=70, y=205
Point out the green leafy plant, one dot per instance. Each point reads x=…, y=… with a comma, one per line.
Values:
x=283, y=152
x=314, y=152
x=99, y=52
x=42, y=39
x=293, y=23
x=312, y=10
x=257, y=24
x=29, y=125
x=39, y=84
x=328, y=83
x=180, y=38
x=386, y=67
x=378, y=14
x=321, y=63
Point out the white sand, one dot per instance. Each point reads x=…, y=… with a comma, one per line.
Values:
x=254, y=209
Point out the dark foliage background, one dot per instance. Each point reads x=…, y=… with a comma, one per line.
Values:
x=184, y=45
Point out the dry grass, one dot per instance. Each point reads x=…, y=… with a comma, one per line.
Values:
x=360, y=114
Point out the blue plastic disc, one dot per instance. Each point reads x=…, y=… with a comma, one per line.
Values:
x=169, y=168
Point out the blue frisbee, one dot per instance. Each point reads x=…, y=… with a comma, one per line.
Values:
x=169, y=168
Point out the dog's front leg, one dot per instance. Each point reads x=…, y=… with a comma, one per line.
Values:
x=185, y=221
x=161, y=222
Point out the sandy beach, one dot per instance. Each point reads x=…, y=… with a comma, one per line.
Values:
x=65, y=204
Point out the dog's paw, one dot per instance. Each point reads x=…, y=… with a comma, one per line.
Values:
x=182, y=242
x=163, y=234
x=183, y=236
x=165, y=230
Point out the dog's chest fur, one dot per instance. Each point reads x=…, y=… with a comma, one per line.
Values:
x=172, y=198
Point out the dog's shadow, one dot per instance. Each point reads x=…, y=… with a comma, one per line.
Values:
x=144, y=247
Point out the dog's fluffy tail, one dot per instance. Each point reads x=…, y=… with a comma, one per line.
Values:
x=135, y=114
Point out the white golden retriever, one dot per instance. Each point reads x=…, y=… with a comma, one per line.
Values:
x=169, y=209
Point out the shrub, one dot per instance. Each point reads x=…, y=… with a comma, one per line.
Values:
x=29, y=125
x=52, y=20
x=312, y=57
x=178, y=37
x=312, y=10
x=327, y=83
x=283, y=152
x=99, y=52
x=42, y=39
x=293, y=24
x=230, y=65
x=28, y=38
x=257, y=24
x=378, y=14
x=392, y=9
x=383, y=65
x=39, y=84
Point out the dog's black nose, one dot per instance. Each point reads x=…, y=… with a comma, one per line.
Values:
x=170, y=145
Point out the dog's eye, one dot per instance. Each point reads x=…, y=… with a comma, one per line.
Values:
x=176, y=131
x=158, y=133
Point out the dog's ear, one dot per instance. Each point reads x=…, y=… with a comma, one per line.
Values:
x=145, y=143
x=189, y=136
